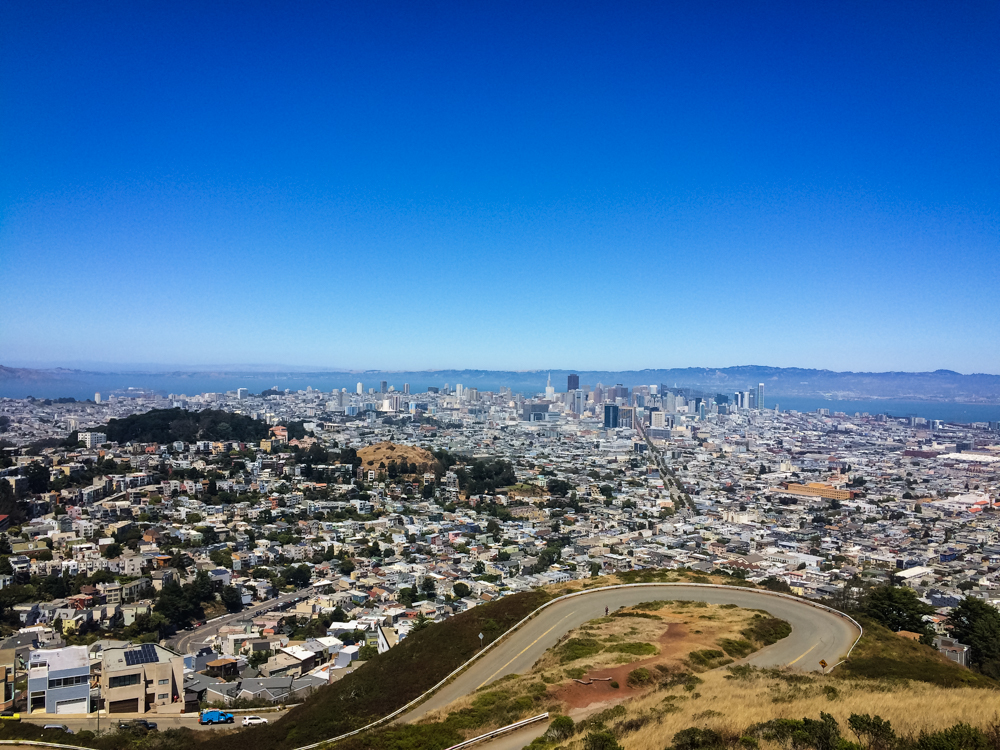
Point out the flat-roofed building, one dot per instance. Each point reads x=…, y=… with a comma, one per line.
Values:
x=143, y=678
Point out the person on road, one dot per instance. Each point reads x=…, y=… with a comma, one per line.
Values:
x=605, y=611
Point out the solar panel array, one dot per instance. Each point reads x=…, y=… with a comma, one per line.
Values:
x=145, y=654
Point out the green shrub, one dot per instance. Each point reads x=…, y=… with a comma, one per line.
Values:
x=644, y=615
x=767, y=630
x=579, y=648
x=602, y=740
x=634, y=648
x=696, y=738
x=737, y=648
x=614, y=684
x=560, y=729
x=639, y=677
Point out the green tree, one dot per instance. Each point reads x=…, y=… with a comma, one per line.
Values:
x=558, y=487
x=257, y=658
x=38, y=477
x=112, y=551
x=977, y=624
x=365, y=653
x=231, y=598
x=420, y=623
x=897, y=608
x=202, y=588
x=428, y=588
x=461, y=590
x=493, y=528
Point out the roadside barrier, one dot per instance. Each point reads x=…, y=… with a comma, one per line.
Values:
x=500, y=731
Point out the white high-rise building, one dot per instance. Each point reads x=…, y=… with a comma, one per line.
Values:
x=97, y=398
x=92, y=439
x=361, y=389
x=459, y=391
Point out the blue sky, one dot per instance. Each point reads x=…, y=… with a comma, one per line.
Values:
x=501, y=185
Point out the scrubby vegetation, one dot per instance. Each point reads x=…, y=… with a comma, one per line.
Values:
x=169, y=425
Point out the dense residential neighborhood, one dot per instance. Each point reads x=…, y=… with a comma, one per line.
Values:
x=167, y=554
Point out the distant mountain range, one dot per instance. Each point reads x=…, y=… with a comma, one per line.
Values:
x=937, y=386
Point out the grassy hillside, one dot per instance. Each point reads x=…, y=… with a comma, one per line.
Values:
x=881, y=654
x=390, y=680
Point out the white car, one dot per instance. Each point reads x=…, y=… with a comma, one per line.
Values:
x=252, y=721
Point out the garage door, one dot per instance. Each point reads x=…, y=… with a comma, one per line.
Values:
x=78, y=706
x=130, y=706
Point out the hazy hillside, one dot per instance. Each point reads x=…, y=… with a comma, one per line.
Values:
x=940, y=385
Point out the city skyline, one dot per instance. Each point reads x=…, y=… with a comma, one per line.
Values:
x=452, y=186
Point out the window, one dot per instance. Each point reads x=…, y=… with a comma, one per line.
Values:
x=164, y=682
x=123, y=681
x=59, y=682
x=161, y=697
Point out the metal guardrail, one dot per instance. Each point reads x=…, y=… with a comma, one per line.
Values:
x=500, y=731
x=37, y=743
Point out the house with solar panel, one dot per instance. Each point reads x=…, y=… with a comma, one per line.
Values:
x=145, y=678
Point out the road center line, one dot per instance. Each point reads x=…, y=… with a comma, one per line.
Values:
x=522, y=651
x=799, y=657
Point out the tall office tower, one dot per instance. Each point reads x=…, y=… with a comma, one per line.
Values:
x=579, y=401
x=572, y=382
x=550, y=392
x=701, y=411
x=610, y=416
x=383, y=387
x=626, y=417
x=406, y=388
x=361, y=389
x=670, y=402
x=598, y=393
x=241, y=393
x=97, y=398
x=751, y=399
x=760, y=395
x=459, y=391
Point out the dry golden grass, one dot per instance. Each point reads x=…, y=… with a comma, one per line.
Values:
x=372, y=455
x=732, y=705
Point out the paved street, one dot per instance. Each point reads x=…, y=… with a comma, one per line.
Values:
x=190, y=640
x=78, y=722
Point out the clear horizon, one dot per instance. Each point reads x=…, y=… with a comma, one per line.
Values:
x=424, y=187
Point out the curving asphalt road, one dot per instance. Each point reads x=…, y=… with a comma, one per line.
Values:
x=817, y=634
x=190, y=640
